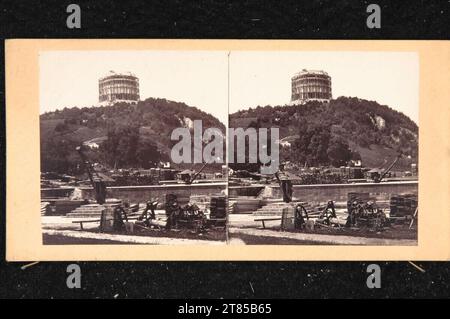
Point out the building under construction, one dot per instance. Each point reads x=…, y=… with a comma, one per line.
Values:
x=118, y=87
x=311, y=85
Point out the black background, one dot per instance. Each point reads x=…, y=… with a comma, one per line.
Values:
x=221, y=20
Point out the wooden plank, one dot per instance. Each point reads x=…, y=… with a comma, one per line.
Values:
x=266, y=219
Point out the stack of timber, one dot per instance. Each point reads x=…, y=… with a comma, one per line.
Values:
x=275, y=207
x=246, y=205
x=44, y=207
x=93, y=210
x=218, y=212
x=218, y=207
x=231, y=204
x=403, y=205
x=113, y=202
x=89, y=210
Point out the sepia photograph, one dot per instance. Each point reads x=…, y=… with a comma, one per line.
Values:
x=322, y=147
x=285, y=150
x=345, y=125
x=111, y=123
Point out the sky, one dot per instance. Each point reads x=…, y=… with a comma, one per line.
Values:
x=200, y=78
x=264, y=78
x=197, y=78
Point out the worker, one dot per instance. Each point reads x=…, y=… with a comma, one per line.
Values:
x=331, y=209
x=328, y=213
x=149, y=212
x=120, y=216
x=285, y=184
x=100, y=191
x=353, y=213
x=172, y=209
x=300, y=215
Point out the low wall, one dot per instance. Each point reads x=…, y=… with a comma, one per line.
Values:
x=335, y=192
x=310, y=193
x=56, y=192
x=139, y=194
x=235, y=191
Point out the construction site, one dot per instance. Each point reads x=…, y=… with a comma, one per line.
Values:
x=176, y=212
x=273, y=211
x=245, y=208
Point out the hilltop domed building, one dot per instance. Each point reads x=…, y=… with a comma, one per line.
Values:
x=311, y=85
x=118, y=87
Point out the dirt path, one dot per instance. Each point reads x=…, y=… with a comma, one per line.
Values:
x=130, y=239
x=322, y=239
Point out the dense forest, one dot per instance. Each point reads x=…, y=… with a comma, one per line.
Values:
x=331, y=134
x=127, y=135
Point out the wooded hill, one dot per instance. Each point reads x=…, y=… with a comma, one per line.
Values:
x=127, y=135
x=321, y=134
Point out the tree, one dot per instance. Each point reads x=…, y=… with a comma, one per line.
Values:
x=58, y=155
x=121, y=145
x=125, y=147
x=338, y=152
x=147, y=154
